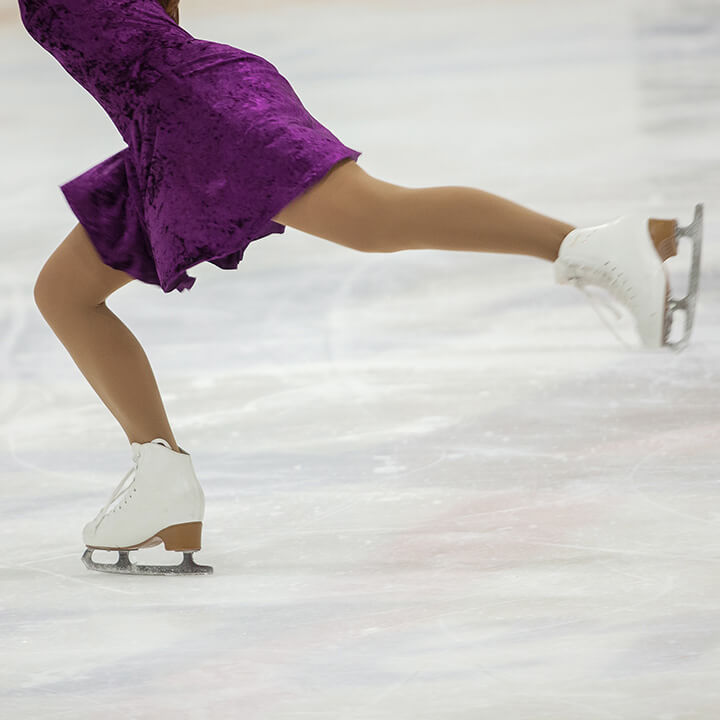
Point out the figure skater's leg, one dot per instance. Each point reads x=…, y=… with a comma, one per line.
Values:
x=70, y=293
x=352, y=208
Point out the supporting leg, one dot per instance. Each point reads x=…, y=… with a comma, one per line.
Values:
x=116, y=366
x=70, y=293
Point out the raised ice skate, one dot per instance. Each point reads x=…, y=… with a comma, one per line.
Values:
x=620, y=257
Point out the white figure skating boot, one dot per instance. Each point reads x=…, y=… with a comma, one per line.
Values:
x=163, y=503
x=621, y=257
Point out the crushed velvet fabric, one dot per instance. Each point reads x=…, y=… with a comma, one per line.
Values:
x=217, y=140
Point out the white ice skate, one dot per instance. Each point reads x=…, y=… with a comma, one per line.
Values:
x=163, y=503
x=620, y=257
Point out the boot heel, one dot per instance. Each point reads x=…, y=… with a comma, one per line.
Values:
x=184, y=537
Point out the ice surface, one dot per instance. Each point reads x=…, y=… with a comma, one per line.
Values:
x=437, y=486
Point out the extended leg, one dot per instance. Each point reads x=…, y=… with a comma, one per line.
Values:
x=352, y=208
x=464, y=218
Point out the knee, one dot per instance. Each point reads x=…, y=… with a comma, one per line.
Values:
x=53, y=291
x=46, y=292
x=74, y=277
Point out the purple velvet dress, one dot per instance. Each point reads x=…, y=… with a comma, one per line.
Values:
x=217, y=140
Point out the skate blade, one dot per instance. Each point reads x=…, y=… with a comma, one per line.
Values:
x=694, y=232
x=124, y=566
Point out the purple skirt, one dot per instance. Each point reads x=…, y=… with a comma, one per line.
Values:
x=218, y=142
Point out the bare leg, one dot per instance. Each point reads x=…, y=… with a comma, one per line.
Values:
x=70, y=293
x=353, y=208
x=463, y=218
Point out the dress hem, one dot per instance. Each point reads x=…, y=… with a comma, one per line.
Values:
x=95, y=237
x=180, y=280
x=265, y=226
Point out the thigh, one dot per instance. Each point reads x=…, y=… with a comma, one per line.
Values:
x=75, y=273
x=347, y=206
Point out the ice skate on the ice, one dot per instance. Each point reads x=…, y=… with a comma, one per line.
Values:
x=620, y=257
x=164, y=503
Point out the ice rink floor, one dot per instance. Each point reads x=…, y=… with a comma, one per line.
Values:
x=438, y=488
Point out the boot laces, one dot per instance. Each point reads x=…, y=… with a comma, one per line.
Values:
x=601, y=299
x=604, y=277
x=118, y=490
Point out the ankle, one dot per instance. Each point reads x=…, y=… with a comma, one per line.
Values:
x=554, y=251
x=173, y=445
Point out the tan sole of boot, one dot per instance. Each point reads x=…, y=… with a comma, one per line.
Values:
x=184, y=537
x=666, y=248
